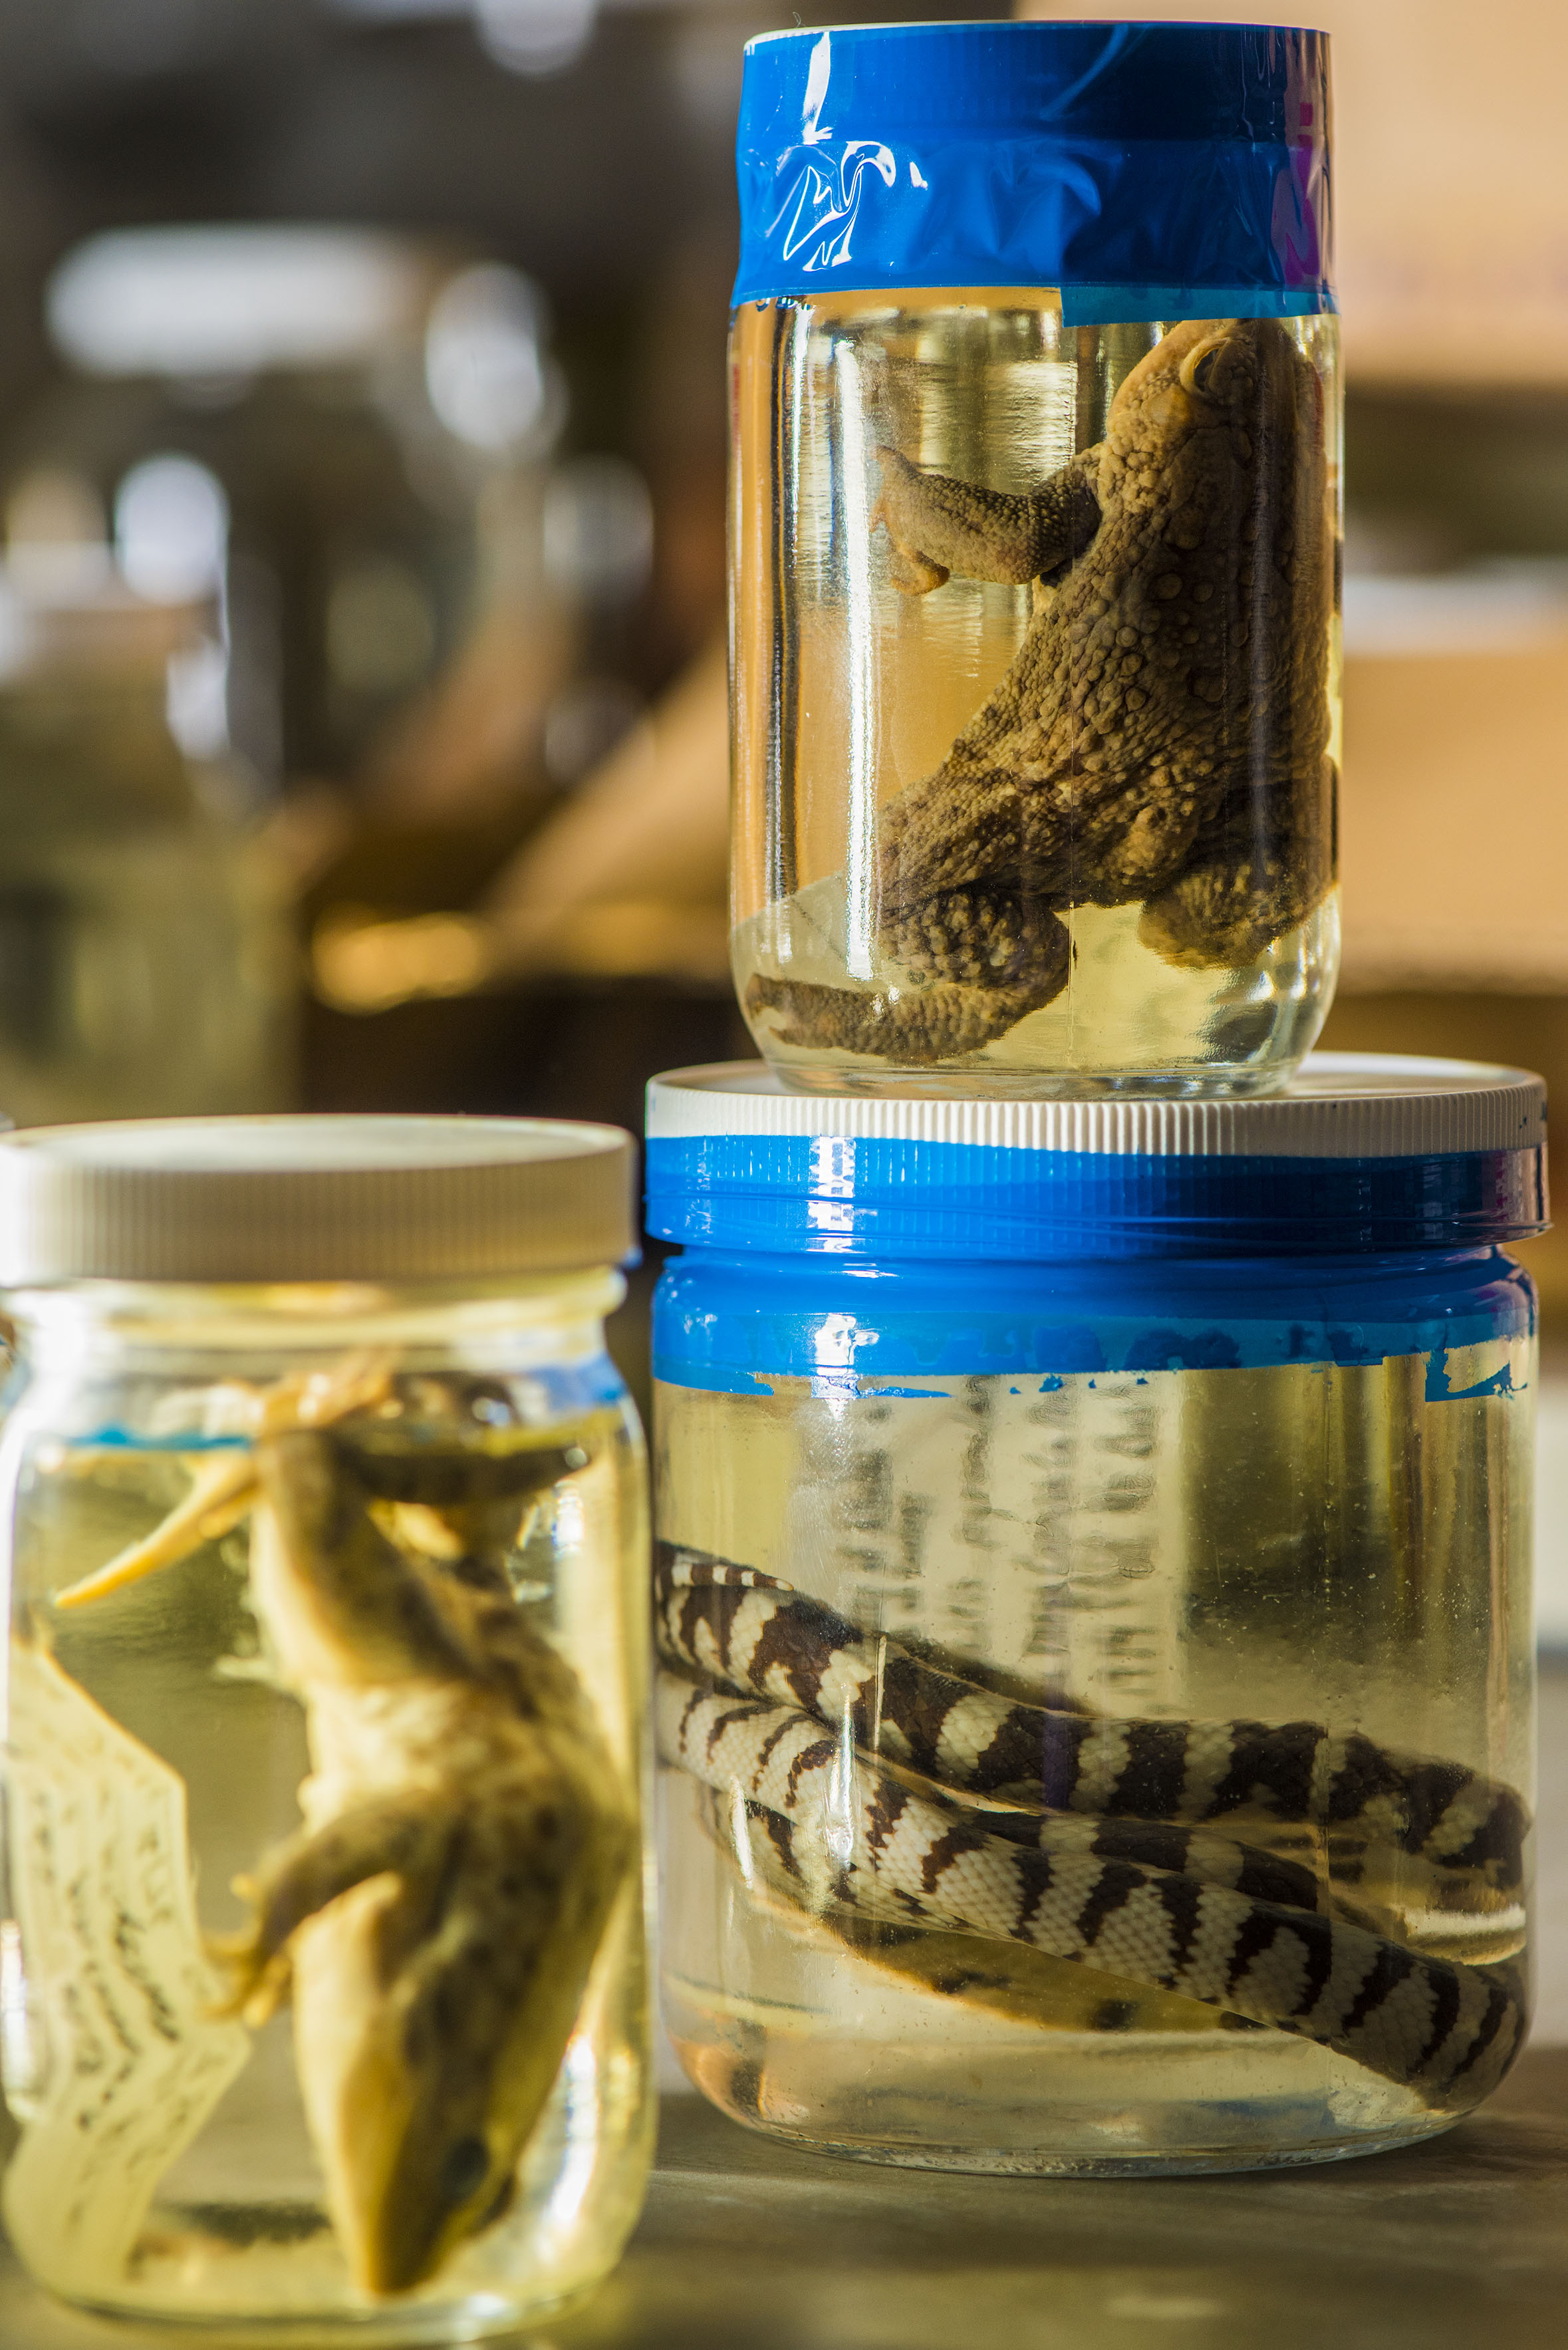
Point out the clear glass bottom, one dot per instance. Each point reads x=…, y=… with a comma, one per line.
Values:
x=1125, y=1022
x=999, y=2117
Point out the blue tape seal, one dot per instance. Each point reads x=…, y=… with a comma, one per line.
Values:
x=863, y=1198
x=735, y=1324
x=1149, y=170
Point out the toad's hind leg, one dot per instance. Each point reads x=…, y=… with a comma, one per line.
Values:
x=940, y=526
x=395, y=1836
x=912, y=1026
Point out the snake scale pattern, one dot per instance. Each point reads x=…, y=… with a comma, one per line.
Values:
x=865, y=1779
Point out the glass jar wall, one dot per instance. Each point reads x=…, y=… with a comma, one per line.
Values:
x=1037, y=668
x=327, y=1676
x=1096, y=1670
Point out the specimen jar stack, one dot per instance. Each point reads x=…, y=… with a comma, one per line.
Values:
x=1093, y=1437
x=1036, y=500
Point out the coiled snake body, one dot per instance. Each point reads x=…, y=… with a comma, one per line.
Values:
x=865, y=1781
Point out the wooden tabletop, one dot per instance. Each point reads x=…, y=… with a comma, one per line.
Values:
x=1459, y=2244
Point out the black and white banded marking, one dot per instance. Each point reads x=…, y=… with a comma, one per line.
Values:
x=852, y=1834
x=757, y=1634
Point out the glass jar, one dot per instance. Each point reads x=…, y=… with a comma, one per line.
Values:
x=322, y=1973
x=147, y=950
x=1093, y=1595
x=341, y=434
x=1035, y=511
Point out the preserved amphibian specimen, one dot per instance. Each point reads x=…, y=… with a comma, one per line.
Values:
x=1129, y=1850
x=1162, y=737
x=435, y=1918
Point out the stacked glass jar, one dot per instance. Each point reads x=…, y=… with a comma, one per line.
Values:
x=1092, y=1583
x=1035, y=526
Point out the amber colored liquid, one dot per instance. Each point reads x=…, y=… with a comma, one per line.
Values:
x=156, y=1737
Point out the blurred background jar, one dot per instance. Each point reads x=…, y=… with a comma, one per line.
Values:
x=346, y=443
x=146, y=957
x=370, y=415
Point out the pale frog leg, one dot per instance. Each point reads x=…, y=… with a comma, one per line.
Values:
x=224, y=1491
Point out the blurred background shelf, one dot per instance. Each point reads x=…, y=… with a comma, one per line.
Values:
x=374, y=350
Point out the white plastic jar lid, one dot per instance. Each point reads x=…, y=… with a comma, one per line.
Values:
x=1337, y=1106
x=312, y=1199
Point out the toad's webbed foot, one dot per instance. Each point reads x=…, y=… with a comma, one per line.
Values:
x=939, y=526
x=1239, y=894
x=912, y=1026
x=1222, y=915
x=985, y=939
x=992, y=956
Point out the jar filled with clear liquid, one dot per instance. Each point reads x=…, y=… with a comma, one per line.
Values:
x=322, y=1976
x=1034, y=583
x=1096, y=1676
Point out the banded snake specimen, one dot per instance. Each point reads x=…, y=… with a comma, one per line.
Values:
x=1114, y=1844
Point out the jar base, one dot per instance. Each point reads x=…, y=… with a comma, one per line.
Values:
x=1070, y=2105
x=478, y=2318
x=1009, y=2163
x=985, y=1081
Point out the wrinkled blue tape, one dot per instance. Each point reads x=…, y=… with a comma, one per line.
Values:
x=835, y=1195
x=735, y=1325
x=1151, y=172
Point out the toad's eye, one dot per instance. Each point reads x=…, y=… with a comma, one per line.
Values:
x=1198, y=368
x=463, y=2171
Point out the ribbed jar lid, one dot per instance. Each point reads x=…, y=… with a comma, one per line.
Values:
x=312, y=1199
x=1358, y=1152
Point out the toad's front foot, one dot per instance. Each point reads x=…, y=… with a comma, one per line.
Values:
x=939, y=526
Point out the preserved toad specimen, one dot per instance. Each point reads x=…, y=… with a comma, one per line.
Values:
x=1162, y=735
x=465, y=1836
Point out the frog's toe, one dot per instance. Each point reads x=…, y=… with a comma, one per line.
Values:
x=402, y=1839
x=914, y=574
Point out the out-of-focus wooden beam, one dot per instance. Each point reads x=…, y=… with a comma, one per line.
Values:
x=1454, y=823
x=1450, y=182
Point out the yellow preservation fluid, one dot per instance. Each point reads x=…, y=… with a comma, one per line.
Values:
x=324, y=1977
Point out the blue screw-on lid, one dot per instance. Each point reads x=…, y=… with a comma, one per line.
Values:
x=1360, y=1153
x=1149, y=171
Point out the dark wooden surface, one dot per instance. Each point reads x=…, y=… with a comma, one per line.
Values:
x=1461, y=2245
